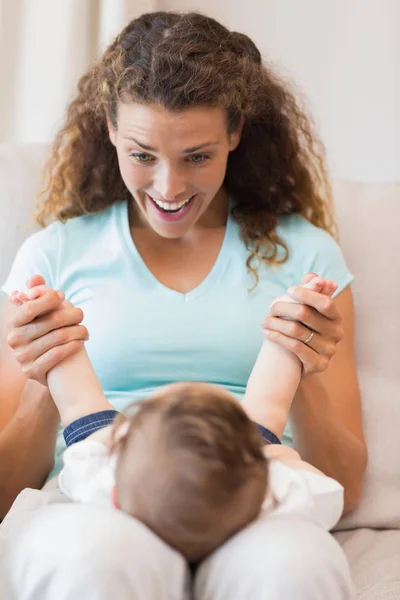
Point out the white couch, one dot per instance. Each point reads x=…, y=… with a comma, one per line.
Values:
x=368, y=217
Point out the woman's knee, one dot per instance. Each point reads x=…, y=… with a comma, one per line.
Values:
x=85, y=549
x=276, y=558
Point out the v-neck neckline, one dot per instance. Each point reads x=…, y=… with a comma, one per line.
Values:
x=208, y=282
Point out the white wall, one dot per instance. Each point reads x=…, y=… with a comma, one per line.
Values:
x=45, y=47
x=345, y=56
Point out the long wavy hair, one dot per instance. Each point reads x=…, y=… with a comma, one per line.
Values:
x=180, y=61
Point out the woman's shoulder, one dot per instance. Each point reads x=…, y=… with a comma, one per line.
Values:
x=294, y=227
x=312, y=249
x=305, y=240
x=89, y=225
x=76, y=227
x=48, y=250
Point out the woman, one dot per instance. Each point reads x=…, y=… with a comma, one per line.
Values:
x=188, y=190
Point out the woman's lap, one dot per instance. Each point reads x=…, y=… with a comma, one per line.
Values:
x=66, y=551
x=277, y=558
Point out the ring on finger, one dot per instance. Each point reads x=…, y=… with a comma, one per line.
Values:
x=310, y=337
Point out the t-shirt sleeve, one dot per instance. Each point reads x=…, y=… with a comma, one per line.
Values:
x=38, y=254
x=329, y=262
x=305, y=494
x=88, y=475
x=314, y=250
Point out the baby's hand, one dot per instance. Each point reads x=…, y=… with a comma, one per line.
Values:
x=327, y=287
x=18, y=298
x=39, y=291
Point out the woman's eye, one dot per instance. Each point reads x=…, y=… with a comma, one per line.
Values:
x=197, y=159
x=141, y=157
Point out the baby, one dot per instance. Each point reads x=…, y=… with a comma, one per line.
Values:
x=190, y=462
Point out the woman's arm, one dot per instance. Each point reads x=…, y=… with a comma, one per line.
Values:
x=73, y=384
x=326, y=414
x=29, y=420
x=27, y=444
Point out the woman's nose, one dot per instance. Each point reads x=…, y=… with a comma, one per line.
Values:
x=169, y=185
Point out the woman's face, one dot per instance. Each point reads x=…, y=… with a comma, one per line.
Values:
x=173, y=164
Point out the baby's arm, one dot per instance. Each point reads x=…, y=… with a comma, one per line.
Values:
x=73, y=383
x=276, y=375
x=289, y=457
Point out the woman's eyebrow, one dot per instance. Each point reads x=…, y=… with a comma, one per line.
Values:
x=186, y=151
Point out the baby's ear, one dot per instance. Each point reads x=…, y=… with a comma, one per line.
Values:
x=114, y=498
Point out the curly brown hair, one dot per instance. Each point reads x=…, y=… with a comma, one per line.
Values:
x=180, y=61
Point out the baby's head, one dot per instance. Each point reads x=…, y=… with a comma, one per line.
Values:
x=190, y=466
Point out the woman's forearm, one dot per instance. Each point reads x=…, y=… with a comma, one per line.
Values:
x=323, y=440
x=27, y=444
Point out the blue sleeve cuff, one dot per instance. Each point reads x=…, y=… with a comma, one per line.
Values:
x=81, y=428
x=267, y=435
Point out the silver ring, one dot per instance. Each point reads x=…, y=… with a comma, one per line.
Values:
x=310, y=337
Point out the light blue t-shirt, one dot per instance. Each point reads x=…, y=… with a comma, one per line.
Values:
x=143, y=334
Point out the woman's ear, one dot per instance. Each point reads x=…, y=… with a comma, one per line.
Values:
x=236, y=135
x=112, y=132
x=114, y=498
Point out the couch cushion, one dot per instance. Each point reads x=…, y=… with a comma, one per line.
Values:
x=374, y=558
x=368, y=218
x=19, y=180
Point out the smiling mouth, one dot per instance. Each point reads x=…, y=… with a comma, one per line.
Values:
x=177, y=207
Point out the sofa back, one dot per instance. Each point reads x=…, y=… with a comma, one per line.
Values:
x=20, y=168
x=368, y=217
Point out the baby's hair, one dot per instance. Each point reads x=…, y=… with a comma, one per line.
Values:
x=190, y=466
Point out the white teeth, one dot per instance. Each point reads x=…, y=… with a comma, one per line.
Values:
x=169, y=205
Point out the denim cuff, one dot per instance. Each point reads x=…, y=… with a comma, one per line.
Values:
x=267, y=435
x=81, y=428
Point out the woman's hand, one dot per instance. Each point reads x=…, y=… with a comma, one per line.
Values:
x=315, y=313
x=45, y=331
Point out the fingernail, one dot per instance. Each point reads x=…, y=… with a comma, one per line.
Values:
x=291, y=290
x=266, y=332
x=61, y=294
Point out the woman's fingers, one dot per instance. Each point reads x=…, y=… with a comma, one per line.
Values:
x=299, y=332
x=309, y=317
x=323, y=304
x=25, y=334
x=312, y=361
x=32, y=351
x=305, y=315
x=39, y=368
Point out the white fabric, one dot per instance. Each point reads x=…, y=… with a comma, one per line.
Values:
x=89, y=475
x=77, y=552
